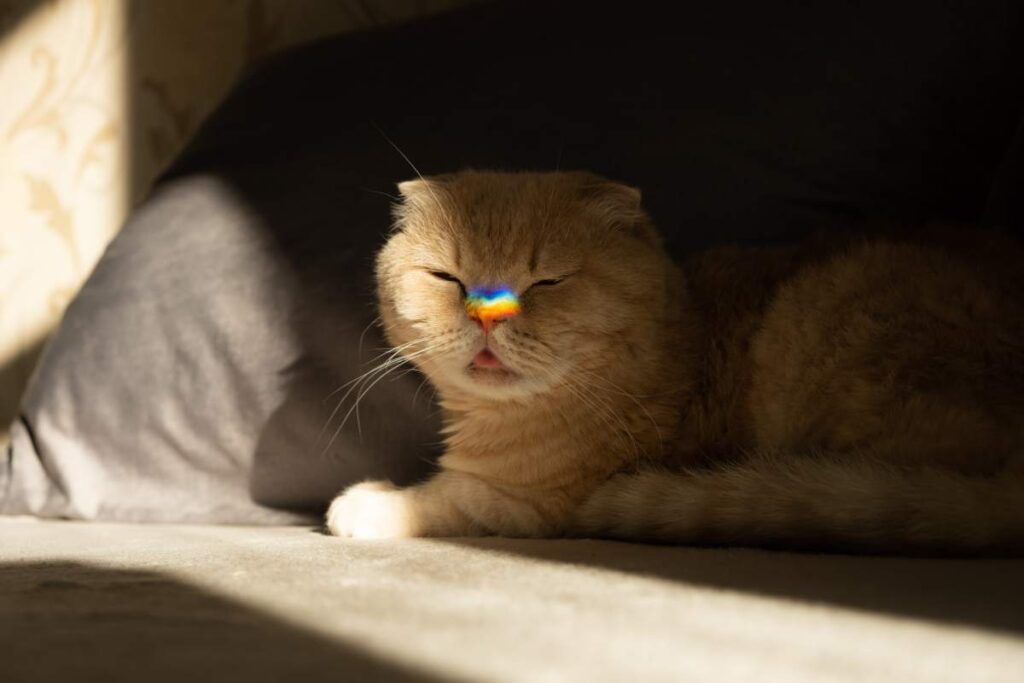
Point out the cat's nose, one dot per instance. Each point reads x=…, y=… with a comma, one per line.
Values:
x=489, y=306
x=487, y=322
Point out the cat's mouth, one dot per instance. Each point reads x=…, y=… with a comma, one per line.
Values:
x=486, y=366
x=486, y=358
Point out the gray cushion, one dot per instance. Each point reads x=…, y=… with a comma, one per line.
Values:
x=177, y=389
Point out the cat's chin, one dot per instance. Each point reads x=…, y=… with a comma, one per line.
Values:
x=500, y=384
x=492, y=376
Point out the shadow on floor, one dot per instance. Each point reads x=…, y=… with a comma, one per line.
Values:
x=979, y=593
x=69, y=621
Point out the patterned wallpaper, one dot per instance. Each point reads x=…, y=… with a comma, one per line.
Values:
x=96, y=97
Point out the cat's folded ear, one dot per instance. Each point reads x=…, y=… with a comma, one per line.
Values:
x=615, y=198
x=410, y=189
x=421, y=193
x=617, y=205
x=430, y=186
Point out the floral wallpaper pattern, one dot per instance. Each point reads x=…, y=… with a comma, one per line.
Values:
x=96, y=98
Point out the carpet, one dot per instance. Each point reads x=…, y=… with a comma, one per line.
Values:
x=108, y=602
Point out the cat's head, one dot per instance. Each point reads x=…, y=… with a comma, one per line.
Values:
x=508, y=285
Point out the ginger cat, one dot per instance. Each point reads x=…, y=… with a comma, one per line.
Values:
x=847, y=393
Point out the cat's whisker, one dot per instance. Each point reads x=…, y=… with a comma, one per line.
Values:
x=609, y=409
x=424, y=382
x=638, y=451
x=392, y=361
x=351, y=384
x=591, y=397
x=362, y=336
x=387, y=352
x=397, y=358
x=381, y=193
x=379, y=372
x=363, y=392
x=622, y=392
x=430, y=189
x=605, y=416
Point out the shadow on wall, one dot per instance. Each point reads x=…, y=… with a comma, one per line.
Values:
x=98, y=96
x=16, y=367
x=70, y=621
x=14, y=375
x=13, y=11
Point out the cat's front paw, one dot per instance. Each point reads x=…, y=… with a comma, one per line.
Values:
x=373, y=509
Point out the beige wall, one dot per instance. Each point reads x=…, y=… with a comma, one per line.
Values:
x=96, y=97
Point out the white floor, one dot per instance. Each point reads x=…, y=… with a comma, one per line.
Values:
x=107, y=602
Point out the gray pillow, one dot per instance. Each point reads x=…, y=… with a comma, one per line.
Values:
x=178, y=389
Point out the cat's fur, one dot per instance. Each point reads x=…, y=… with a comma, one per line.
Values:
x=855, y=393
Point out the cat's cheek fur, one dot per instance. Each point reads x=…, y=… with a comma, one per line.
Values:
x=418, y=299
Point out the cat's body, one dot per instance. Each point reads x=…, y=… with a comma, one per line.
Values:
x=855, y=393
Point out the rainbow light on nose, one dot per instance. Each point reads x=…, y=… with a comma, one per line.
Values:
x=490, y=304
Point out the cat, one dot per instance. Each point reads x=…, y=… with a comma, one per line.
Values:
x=852, y=392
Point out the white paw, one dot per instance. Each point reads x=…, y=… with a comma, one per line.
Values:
x=373, y=509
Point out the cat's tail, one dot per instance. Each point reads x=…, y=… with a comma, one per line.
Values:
x=813, y=504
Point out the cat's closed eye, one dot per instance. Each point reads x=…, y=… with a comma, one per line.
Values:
x=448, y=277
x=549, y=282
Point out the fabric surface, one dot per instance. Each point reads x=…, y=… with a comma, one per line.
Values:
x=171, y=603
x=96, y=98
x=192, y=379
x=155, y=400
